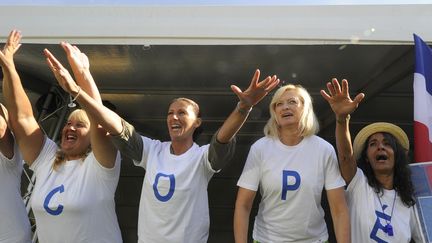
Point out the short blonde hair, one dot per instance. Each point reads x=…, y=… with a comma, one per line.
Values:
x=308, y=121
x=79, y=115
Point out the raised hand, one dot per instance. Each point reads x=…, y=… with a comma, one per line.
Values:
x=78, y=61
x=339, y=99
x=12, y=45
x=62, y=74
x=257, y=90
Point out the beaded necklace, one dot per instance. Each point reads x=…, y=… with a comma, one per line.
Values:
x=388, y=228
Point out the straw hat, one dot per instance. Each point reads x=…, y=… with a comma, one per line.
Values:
x=363, y=135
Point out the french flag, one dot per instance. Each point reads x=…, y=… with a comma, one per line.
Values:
x=422, y=102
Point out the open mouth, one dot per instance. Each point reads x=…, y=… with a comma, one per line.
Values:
x=287, y=115
x=71, y=137
x=381, y=157
x=175, y=127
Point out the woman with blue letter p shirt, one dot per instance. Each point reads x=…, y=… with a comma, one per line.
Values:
x=291, y=166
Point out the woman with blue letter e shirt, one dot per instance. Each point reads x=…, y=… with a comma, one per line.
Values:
x=380, y=191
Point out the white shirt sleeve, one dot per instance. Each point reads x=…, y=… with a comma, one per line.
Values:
x=251, y=174
x=333, y=178
x=46, y=155
x=149, y=146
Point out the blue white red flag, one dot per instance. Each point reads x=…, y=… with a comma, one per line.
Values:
x=422, y=102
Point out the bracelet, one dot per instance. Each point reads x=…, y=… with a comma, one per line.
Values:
x=78, y=93
x=342, y=121
x=242, y=110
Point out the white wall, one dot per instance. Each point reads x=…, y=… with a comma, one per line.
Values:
x=202, y=24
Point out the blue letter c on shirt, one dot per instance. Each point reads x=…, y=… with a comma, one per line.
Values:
x=171, y=189
x=59, y=209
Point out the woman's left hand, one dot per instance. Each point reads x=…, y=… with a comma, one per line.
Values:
x=62, y=75
x=257, y=90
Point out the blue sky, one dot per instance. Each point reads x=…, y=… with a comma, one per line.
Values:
x=210, y=2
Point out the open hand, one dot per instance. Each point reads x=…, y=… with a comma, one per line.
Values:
x=12, y=45
x=339, y=99
x=62, y=75
x=257, y=90
x=78, y=61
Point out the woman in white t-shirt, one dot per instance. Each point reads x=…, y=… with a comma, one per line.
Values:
x=380, y=191
x=14, y=223
x=73, y=197
x=174, y=203
x=291, y=166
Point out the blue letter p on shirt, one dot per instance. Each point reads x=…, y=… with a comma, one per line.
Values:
x=287, y=184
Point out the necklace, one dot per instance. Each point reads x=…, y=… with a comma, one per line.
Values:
x=388, y=228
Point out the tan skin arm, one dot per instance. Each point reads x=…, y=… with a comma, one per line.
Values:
x=342, y=105
x=27, y=132
x=256, y=91
x=103, y=149
x=243, y=207
x=340, y=214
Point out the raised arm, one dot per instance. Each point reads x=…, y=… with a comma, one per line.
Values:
x=220, y=154
x=342, y=105
x=80, y=65
x=87, y=94
x=256, y=91
x=27, y=132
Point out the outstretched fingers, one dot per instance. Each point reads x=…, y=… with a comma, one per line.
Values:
x=336, y=86
x=255, y=78
x=326, y=96
x=330, y=88
x=271, y=84
x=236, y=90
x=52, y=61
x=14, y=40
x=345, y=88
x=359, y=98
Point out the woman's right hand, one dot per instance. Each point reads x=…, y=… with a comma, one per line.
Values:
x=12, y=45
x=339, y=99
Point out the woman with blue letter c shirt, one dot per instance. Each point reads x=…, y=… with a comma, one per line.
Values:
x=73, y=197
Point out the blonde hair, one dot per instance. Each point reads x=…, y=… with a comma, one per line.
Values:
x=79, y=115
x=308, y=124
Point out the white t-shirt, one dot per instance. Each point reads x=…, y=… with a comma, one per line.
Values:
x=74, y=203
x=174, y=201
x=291, y=180
x=14, y=223
x=368, y=219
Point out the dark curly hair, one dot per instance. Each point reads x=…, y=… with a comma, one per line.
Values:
x=401, y=177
